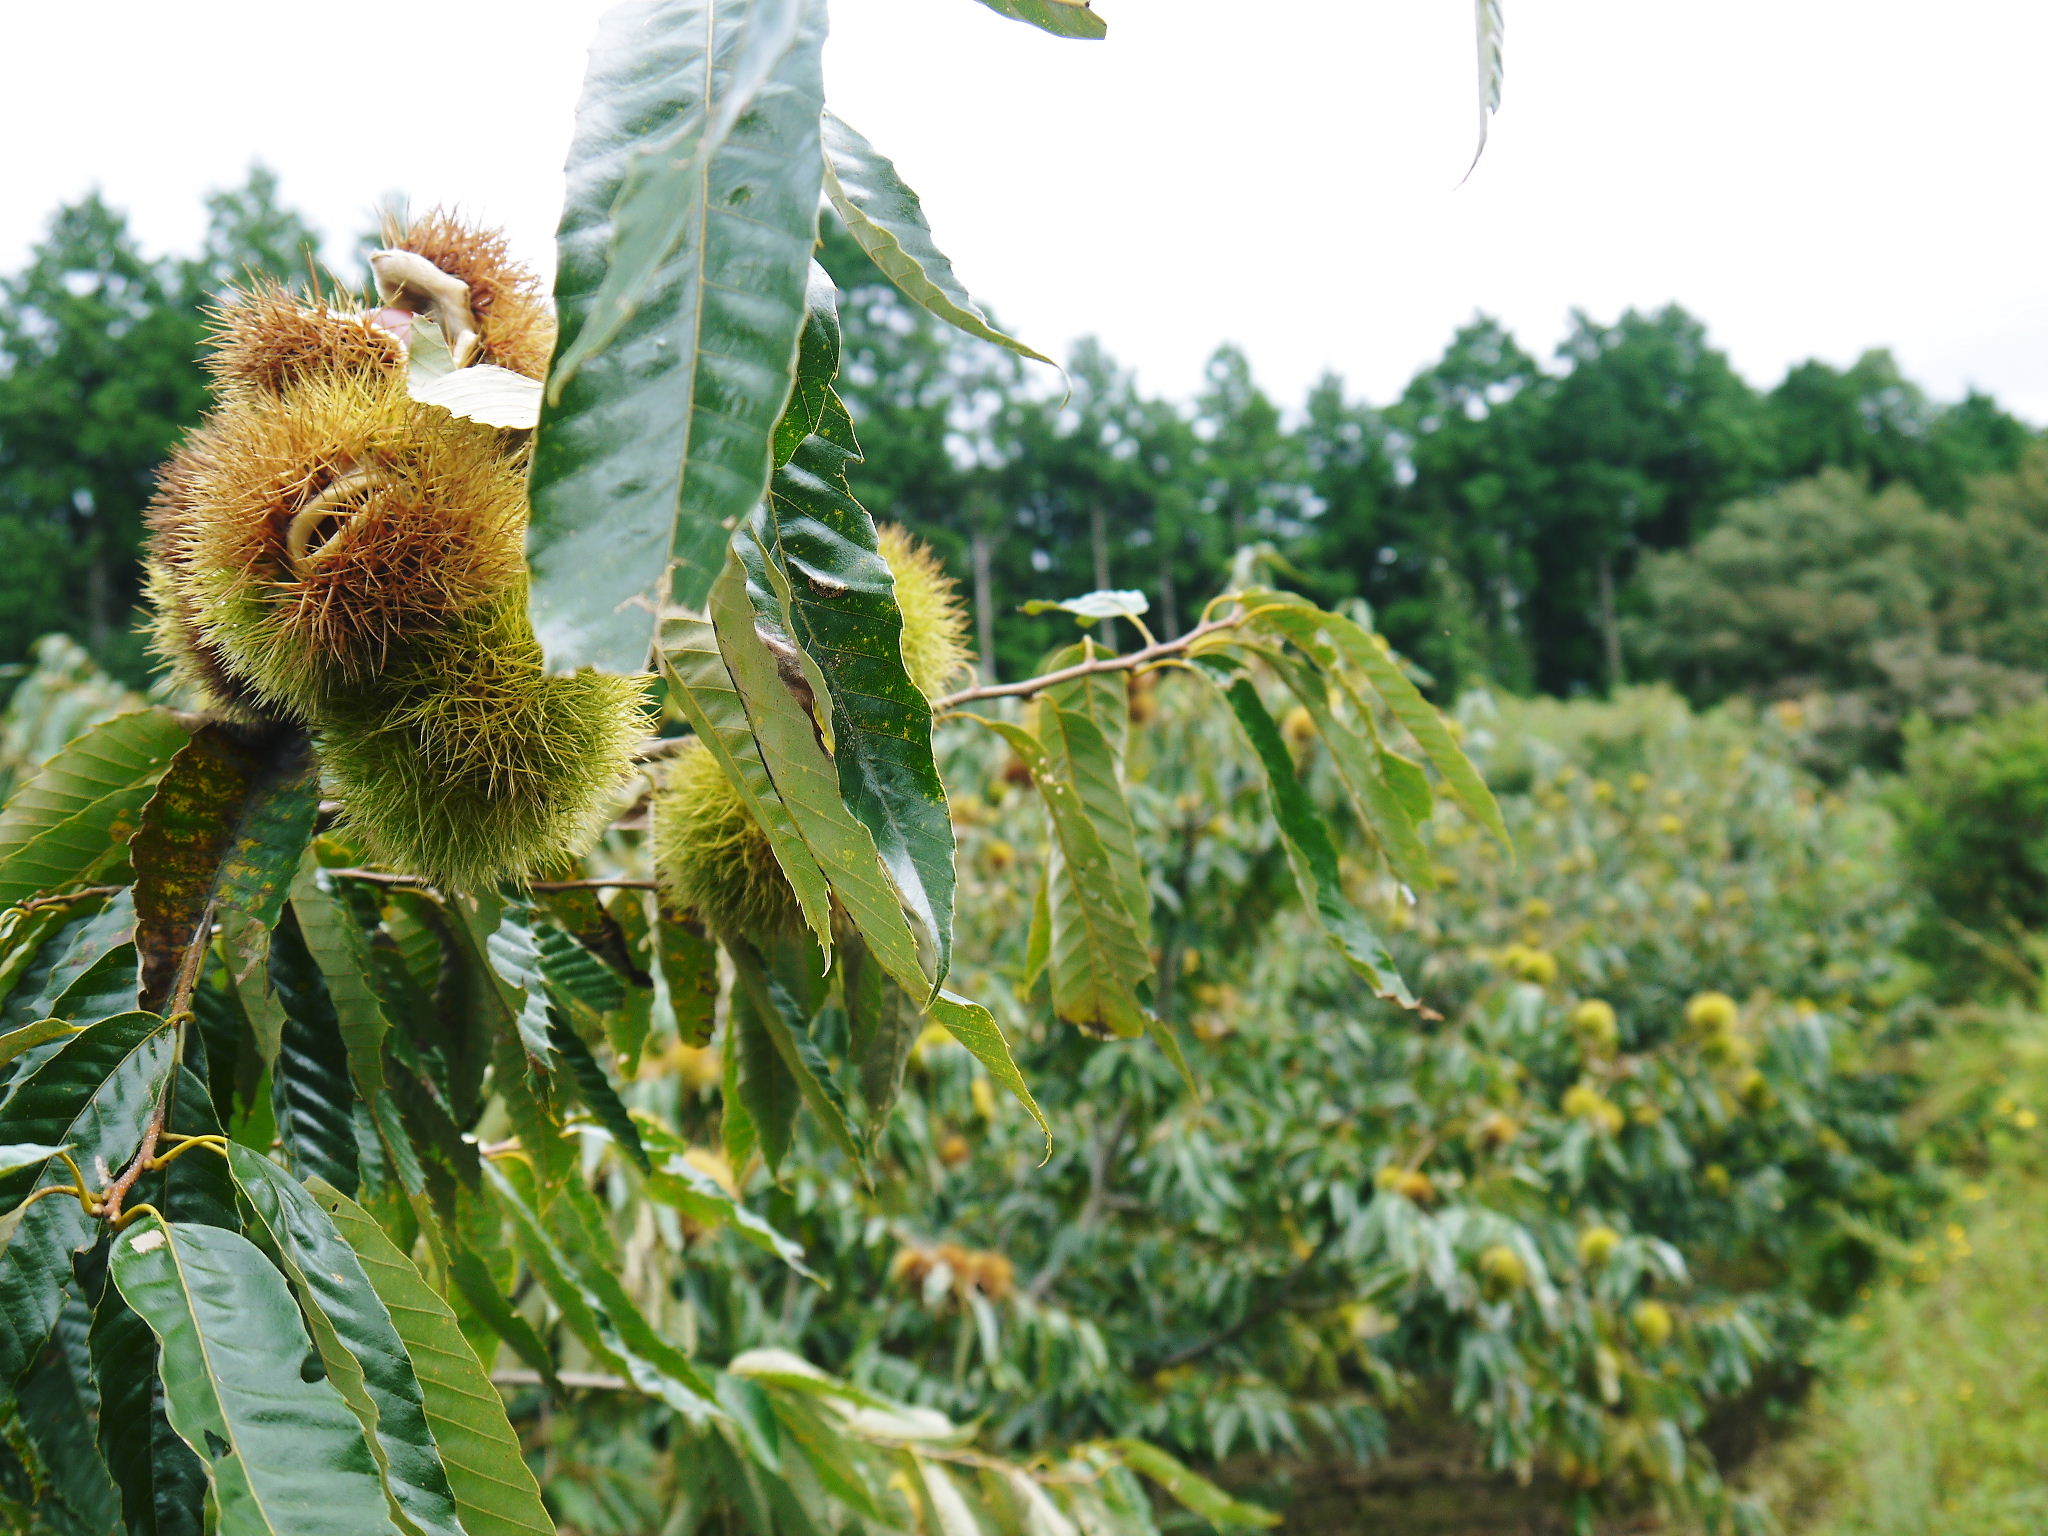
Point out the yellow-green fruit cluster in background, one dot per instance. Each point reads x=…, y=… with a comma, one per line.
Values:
x=710, y=854
x=329, y=551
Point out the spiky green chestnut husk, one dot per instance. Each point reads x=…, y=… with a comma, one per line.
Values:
x=712, y=857
x=475, y=763
x=935, y=649
x=327, y=550
x=710, y=854
x=323, y=534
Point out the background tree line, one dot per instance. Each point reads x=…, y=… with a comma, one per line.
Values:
x=1631, y=509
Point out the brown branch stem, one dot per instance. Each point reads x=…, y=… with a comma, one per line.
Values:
x=1130, y=661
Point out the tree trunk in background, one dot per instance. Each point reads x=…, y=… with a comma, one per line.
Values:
x=1169, y=594
x=1610, y=628
x=1098, y=541
x=981, y=554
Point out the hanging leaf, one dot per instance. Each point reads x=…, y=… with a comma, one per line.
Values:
x=311, y=1086
x=882, y=1024
x=596, y=1090
x=1364, y=651
x=1062, y=18
x=162, y=1483
x=285, y=1456
x=689, y=972
x=1096, y=956
x=1310, y=851
x=1082, y=725
x=780, y=1011
x=841, y=606
x=494, y=1492
x=888, y=221
x=1489, y=30
x=358, y=1342
x=73, y=818
x=759, y=1085
x=1385, y=808
x=808, y=785
x=976, y=1028
x=685, y=246
x=597, y=1309
x=680, y=1184
x=701, y=684
x=223, y=832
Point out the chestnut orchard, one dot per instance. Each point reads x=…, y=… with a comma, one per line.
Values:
x=539, y=704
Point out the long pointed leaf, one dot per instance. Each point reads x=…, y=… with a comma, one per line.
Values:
x=685, y=245
x=493, y=1489
x=357, y=1339
x=285, y=1456
x=885, y=216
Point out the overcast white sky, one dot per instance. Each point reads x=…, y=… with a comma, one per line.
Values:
x=1810, y=176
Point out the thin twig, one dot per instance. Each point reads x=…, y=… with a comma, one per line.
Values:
x=179, y=1012
x=421, y=883
x=1159, y=650
x=65, y=898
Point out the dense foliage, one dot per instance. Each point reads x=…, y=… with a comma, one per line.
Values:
x=1649, y=1143
x=1973, y=809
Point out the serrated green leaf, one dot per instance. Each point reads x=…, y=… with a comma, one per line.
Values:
x=1310, y=851
x=285, y=1456
x=358, y=1341
x=580, y=914
x=223, y=832
x=679, y=1183
x=311, y=1085
x=1082, y=726
x=494, y=1492
x=758, y=1084
x=737, y=1132
x=888, y=221
x=841, y=608
x=882, y=1024
x=701, y=684
x=689, y=974
x=807, y=783
x=976, y=1028
x=1369, y=654
x=779, y=1010
x=1384, y=807
x=576, y=978
x=162, y=1483
x=596, y=1090
x=1062, y=18
x=1097, y=957
x=63, y=821
x=685, y=245
x=1188, y=1488
x=597, y=1309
